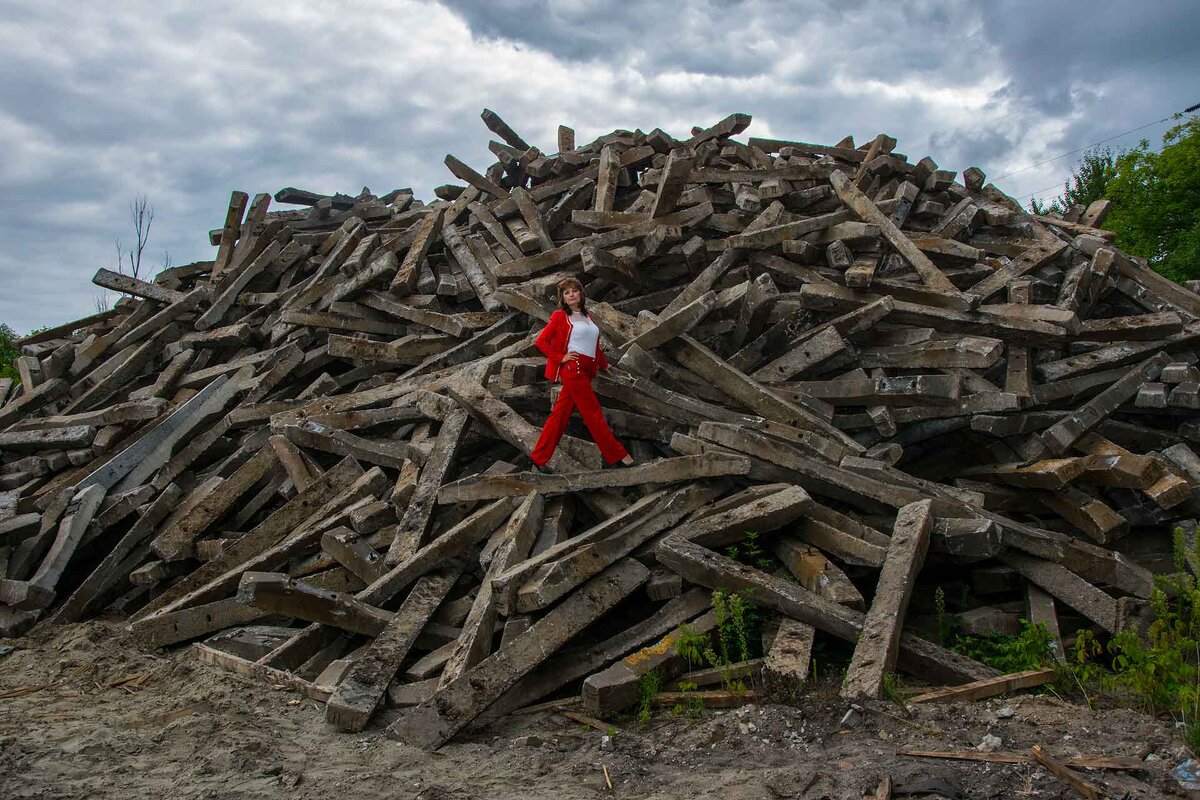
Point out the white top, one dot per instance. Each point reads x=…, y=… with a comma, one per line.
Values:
x=585, y=336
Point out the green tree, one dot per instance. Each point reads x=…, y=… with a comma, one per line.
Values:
x=1088, y=182
x=8, y=352
x=1156, y=202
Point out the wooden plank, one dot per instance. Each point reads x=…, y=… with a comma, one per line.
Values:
x=990, y=687
x=1005, y=757
x=1063, y=773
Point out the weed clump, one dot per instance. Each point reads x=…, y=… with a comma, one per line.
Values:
x=1160, y=670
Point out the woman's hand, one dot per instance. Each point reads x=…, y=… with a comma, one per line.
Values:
x=569, y=358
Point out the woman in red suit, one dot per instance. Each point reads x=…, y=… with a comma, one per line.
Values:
x=571, y=343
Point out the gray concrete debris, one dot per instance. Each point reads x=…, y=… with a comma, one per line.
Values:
x=838, y=368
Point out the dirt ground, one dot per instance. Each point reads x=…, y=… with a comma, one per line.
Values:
x=85, y=714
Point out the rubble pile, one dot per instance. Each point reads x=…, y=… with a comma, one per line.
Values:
x=311, y=451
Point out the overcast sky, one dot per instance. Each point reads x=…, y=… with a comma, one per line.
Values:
x=185, y=102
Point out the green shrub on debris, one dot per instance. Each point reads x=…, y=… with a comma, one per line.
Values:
x=1158, y=669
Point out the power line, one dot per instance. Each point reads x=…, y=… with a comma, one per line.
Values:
x=1081, y=149
x=1130, y=68
x=1038, y=191
x=1064, y=180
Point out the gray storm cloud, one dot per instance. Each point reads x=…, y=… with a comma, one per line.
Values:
x=99, y=103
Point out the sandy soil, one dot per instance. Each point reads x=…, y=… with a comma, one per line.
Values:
x=85, y=714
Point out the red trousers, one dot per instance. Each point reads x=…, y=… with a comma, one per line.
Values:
x=577, y=392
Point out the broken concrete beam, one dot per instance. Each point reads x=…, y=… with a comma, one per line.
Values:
x=917, y=656
x=788, y=661
x=678, y=168
x=513, y=542
x=178, y=540
x=663, y=585
x=875, y=652
x=343, y=443
x=410, y=536
x=670, y=470
x=352, y=552
x=866, y=209
x=966, y=539
x=472, y=530
x=126, y=284
x=815, y=572
x=665, y=328
x=363, y=688
x=30, y=402
x=332, y=490
x=162, y=630
x=69, y=438
x=554, y=579
x=16, y=529
x=277, y=593
x=39, y=591
x=454, y=706
x=1057, y=438
x=1068, y=587
x=615, y=688
x=131, y=547
x=571, y=665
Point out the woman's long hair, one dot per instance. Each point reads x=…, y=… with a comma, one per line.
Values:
x=565, y=284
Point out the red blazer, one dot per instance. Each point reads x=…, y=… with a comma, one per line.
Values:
x=553, y=339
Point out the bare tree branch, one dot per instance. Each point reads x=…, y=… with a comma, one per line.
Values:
x=142, y=215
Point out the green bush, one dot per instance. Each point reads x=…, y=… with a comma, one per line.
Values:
x=1160, y=670
x=738, y=638
x=8, y=352
x=648, y=687
x=1032, y=648
x=1156, y=202
x=751, y=553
